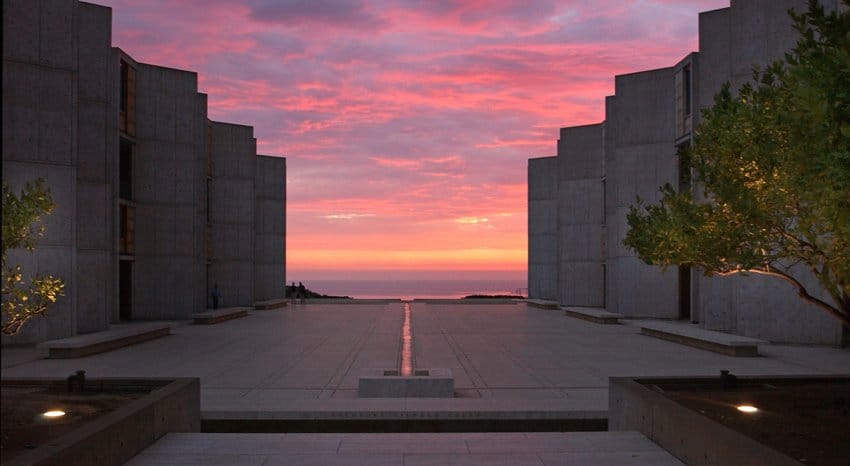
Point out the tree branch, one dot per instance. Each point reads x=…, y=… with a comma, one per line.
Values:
x=841, y=315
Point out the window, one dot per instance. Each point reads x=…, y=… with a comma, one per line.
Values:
x=127, y=230
x=127, y=104
x=209, y=182
x=125, y=170
x=686, y=89
x=124, y=71
x=684, y=163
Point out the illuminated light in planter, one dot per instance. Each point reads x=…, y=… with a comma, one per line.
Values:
x=748, y=409
x=53, y=414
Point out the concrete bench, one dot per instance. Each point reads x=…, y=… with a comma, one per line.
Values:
x=117, y=336
x=719, y=342
x=270, y=304
x=593, y=314
x=214, y=316
x=542, y=303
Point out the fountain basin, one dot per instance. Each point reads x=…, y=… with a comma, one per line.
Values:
x=422, y=383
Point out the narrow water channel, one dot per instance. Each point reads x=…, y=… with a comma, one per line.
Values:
x=406, y=363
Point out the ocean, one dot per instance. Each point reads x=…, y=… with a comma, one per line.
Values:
x=410, y=289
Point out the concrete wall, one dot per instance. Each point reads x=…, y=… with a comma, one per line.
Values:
x=166, y=187
x=269, y=227
x=61, y=96
x=234, y=152
x=581, y=217
x=758, y=31
x=639, y=157
x=543, y=253
x=40, y=49
x=97, y=146
x=644, y=123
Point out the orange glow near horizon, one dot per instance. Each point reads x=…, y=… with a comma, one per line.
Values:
x=407, y=126
x=382, y=259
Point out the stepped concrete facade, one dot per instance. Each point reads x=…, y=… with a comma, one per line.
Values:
x=578, y=200
x=155, y=203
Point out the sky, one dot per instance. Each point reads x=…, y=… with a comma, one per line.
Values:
x=407, y=125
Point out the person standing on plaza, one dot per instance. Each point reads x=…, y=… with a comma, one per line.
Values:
x=216, y=296
x=302, y=292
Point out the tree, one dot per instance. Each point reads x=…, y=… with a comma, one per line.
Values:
x=774, y=167
x=21, y=225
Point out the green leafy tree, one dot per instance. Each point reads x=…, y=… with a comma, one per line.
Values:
x=774, y=166
x=22, y=214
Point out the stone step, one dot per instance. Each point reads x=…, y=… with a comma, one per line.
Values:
x=116, y=336
x=515, y=448
x=691, y=335
x=214, y=316
x=571, y=409
x=592, y=314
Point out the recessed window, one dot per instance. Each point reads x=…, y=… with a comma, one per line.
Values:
x=125, y=170
x=127, y=99
x=124, y=87
x=686, y=89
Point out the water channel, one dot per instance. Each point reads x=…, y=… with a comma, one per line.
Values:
x=406, y=360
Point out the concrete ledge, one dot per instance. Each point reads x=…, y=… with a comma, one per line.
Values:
x=270, y=304
x=424, y=383
x=172, y=405
x=214, y=316
x=99, y=342
x=410, y=422
x=593, y=314
x=719, y=342
x=543, y=303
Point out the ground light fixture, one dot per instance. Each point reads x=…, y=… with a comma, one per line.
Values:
x=53, y=414
x=749, y=409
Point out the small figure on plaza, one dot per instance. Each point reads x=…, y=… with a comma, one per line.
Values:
x=216, y=296
x=302, y=292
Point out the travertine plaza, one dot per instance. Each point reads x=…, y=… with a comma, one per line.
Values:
x=514, y=366
x=155, y=203
x=578, y=200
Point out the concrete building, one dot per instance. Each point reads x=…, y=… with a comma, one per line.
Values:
x=155, y=203
x=577, y=211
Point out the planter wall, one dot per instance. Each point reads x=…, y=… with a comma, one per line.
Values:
x=173, y=405
x=634, y=404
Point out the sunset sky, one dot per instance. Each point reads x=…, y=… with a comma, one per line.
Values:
x=407, y=125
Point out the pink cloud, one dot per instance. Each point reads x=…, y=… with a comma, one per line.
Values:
x=400, y=117
x=312, y=13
